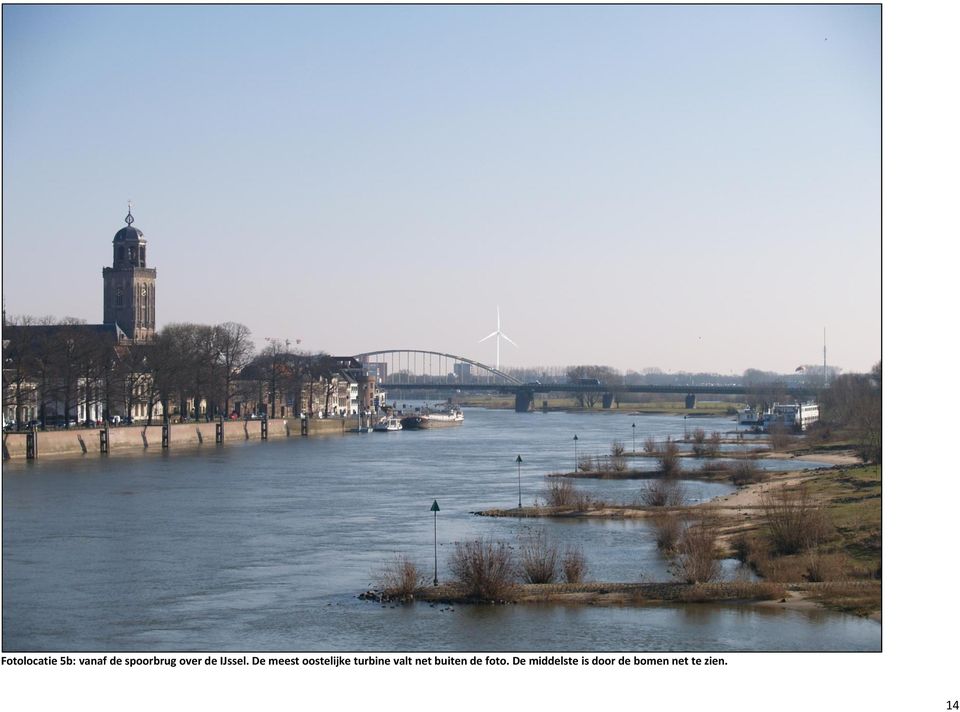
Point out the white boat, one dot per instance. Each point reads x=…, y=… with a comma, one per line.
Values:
x=387, y=425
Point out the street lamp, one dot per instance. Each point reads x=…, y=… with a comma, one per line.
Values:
x=576, y=460
x=519, y=500
x=435, y=508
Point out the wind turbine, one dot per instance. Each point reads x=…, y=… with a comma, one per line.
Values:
x=498, y=333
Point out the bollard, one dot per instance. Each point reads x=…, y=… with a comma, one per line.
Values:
x=165, y=434
x=32, y=443
x=219, y=437
x=105, y=441
x=263, y=428
x=304, y=427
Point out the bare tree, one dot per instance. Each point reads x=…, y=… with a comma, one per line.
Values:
x=234, y=350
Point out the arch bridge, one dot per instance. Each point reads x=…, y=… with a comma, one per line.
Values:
x=423, y=369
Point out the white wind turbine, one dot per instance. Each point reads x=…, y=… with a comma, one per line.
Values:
x=498, y=333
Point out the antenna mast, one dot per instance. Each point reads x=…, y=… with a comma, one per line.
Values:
x=824, y=357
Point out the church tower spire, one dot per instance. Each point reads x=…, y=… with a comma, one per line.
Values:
x=129, y=286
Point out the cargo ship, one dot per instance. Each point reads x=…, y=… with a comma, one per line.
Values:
x=441, y=419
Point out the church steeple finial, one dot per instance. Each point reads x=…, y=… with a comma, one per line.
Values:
x=129, y=218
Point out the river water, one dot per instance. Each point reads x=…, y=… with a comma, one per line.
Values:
x=265, y=546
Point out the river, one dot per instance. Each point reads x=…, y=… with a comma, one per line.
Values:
x=264, y=546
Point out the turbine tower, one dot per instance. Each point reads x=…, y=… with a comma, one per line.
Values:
x=498, y=333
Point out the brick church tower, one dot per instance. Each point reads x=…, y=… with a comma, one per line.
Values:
x=129, y=287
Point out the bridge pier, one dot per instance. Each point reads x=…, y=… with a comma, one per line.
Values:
x=607, y=401
x=690, y=402
x=523, y=401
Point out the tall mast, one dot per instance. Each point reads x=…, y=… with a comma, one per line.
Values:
x=824, y=357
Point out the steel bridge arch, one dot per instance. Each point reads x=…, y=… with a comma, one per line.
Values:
x=482, y=366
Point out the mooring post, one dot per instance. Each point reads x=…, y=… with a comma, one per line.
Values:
x=304, y=426
x=165, y=433
x=219, y=436
x=105, y=439
x=32, y=443
x=263, y=428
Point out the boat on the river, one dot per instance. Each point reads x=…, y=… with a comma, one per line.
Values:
x=426, y=419
x=388, y=425
x=450, y=416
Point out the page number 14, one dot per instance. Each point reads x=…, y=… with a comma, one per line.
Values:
x=953, y=705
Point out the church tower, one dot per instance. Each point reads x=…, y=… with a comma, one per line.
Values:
x=129, y=296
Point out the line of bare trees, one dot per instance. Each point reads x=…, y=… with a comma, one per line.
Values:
x=55, y=363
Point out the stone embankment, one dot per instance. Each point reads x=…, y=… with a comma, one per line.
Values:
x=78, y=442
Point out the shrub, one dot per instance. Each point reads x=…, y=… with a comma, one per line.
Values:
x=745, y=473
x=661, y=493
x=649, y=445
x=538, y=558
x=826, y=567
x=583, y=502
x=573, y=564
x=713, y=445
x=668, y=528
x=699, y=436
x=586, y=464
x=617, y=461
x=795, y=521
x=483, y=569
x=780, y=437
x=560, y=493
x=669, y=456
x=741, y=548
x=696, y=554
x=400, y=578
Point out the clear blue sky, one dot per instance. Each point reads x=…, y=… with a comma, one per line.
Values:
x=693, y=188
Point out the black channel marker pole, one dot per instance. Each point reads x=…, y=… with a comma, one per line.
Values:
x=519, y=497
x=435, y=508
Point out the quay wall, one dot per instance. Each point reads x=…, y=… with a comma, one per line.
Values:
x=78, y=442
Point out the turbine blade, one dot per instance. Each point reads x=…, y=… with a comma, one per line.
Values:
x=488, y=337
x=508, y=339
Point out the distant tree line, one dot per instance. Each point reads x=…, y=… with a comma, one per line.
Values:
x=853, y=404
